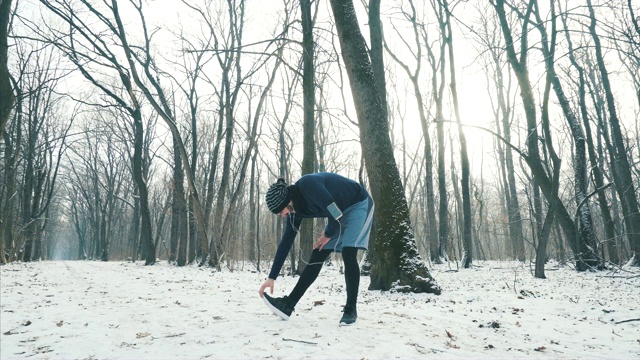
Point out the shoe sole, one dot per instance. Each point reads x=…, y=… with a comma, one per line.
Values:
x=275, y=310
x=345, y=324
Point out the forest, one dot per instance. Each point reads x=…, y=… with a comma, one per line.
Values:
x=149, y=130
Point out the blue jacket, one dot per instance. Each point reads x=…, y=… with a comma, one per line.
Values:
x=311, y=195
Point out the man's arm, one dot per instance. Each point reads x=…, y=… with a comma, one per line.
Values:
x=292, y=223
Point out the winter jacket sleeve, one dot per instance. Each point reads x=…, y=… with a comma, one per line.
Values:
x=292, y=224
x=332, y=229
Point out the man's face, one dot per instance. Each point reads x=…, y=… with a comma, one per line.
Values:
x=288, y=209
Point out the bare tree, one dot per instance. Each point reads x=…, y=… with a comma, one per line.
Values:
x=420, y=32
x=98, y=180
x=598, y=177
x=533, y=158
x=444, y=17
x=42, y=144
x=192, y=67
x=620, y=166
x=585, y=237
x=283, y=140
x=253, y=124
x=437, y=61
x=82, y=44
x=397, y=262
x=504, y=117
x=230, y=89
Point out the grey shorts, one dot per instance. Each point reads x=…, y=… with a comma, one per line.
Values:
x=355, y=227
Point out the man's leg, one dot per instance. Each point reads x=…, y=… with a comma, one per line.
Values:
x=351, y=274
x=309, y=275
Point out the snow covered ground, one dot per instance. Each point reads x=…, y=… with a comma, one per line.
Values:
x=497, y=310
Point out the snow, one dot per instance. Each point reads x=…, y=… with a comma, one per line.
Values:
x=496, y=310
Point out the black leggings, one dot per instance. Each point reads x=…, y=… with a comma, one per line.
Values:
x=311, y=271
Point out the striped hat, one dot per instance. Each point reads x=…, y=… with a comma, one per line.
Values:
x=278, y=196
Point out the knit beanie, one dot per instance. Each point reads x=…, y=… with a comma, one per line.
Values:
x=278, y=196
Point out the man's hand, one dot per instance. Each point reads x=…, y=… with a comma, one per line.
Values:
x=266, y=284
x=321, y=242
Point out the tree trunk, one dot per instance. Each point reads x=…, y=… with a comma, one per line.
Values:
x=544, y=230
x=212, y=176
x=438, y=64
x=252, y=234
x=179, y=236
x=397, y=263
x=10, y=187
x=456, y=238
x=27, y=190
x=7, y=97
x=135, y=225
x=308, y=138
x=193, y=232
x=146, y=236
x=464, y=157
x=215, y=246
x=443, y=203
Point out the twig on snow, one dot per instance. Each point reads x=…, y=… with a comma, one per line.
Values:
x=300, y=341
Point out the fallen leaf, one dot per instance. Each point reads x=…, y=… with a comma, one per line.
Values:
x=541, y=348
x=60, y=323
x=142, y=335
